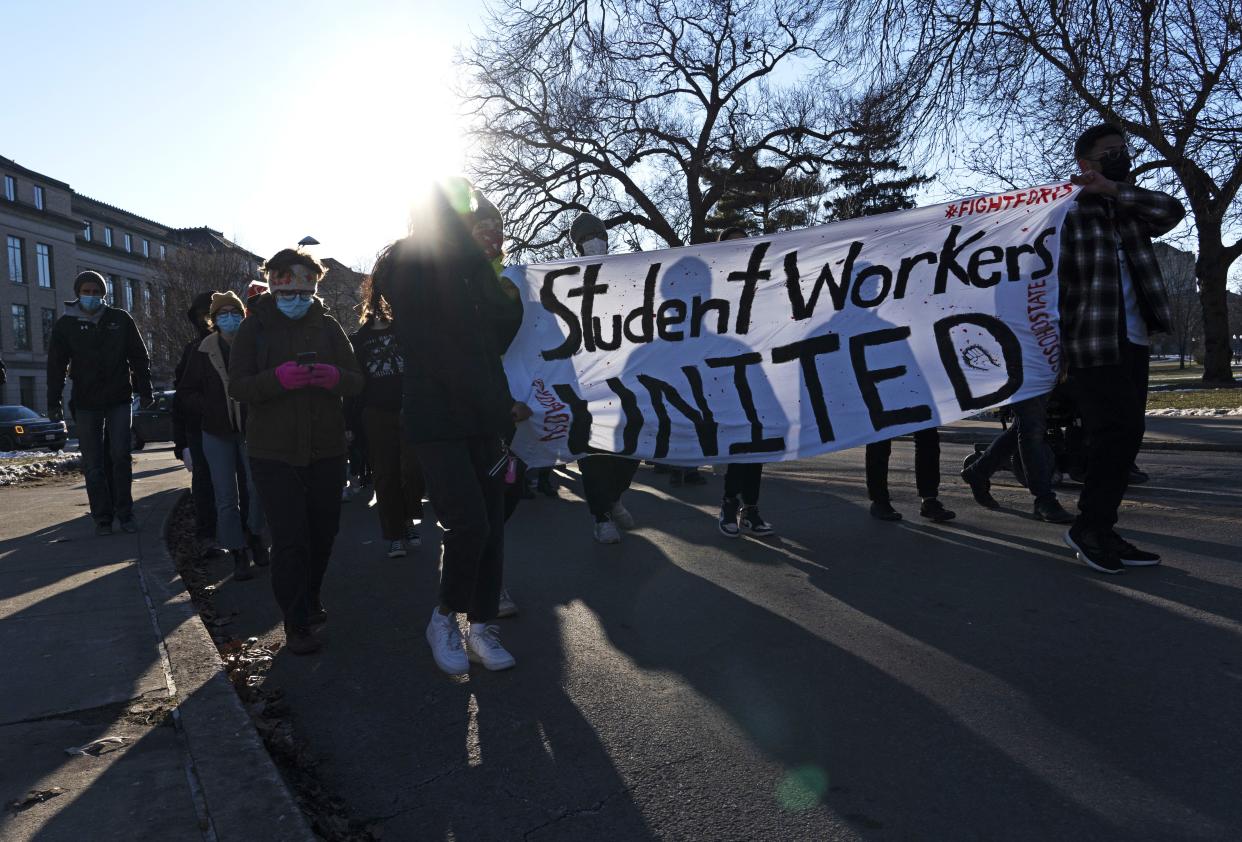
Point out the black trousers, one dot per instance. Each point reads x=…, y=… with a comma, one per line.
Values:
x=1112, y=400
x=470, y=505
x=926, y=465
x=302, y=505
x=743, y=479
x=604, y=480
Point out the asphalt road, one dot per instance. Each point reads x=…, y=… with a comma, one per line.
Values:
x=851, y=679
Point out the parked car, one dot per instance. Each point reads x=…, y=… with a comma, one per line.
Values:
x=152, y=423
x=21, y=428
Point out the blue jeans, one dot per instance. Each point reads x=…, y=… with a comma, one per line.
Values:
x=229, y=468
x=110, y=495
x=1025, y=434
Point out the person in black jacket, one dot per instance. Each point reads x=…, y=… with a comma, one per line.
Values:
x=187, y=435
x=108, y=363
x=204, y=394
x=376, y=415
x=453, y=322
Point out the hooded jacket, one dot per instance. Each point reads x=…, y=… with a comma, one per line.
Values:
x=300, y=426
x=105, y=356
x=203, y=390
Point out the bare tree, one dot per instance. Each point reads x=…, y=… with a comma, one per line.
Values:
x=1178, y=268
x=185, y=272
x=621, y=108
x=1027, y=75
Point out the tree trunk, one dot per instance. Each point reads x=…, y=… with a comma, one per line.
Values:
x=1213, y=273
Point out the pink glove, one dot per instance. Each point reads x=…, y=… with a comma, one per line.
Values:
x=293, y=376
x=324, y=376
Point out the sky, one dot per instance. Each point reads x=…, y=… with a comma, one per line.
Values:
x=268, y=120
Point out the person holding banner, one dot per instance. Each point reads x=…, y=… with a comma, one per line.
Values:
x=453, y=322
x=604, y=478
x=739, y=509
x=1112, y=297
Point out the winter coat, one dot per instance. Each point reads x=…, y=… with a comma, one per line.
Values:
x=106, y=358
x=184, y=426
x=453, y=322
x=300, y=426
x=203, y=390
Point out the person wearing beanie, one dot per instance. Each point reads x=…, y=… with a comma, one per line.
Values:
x=105, y=356
x=604, y=478
x=203, y=391
x=188, y=437
x=453, y=322
x=291, y=364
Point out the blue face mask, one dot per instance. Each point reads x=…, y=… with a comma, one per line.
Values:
x=90, y=303
x=228, y=322
x=294, y=308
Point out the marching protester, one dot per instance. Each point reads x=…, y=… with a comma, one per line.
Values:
x=108, y=363
x=203, y=392
x=1025, y=435
x=187, y=434
x=1112, y=298
x=926, y=477
x=376, y=414
x=739, y=510
x=291, y=364
x=604, y=478
x=454, y=321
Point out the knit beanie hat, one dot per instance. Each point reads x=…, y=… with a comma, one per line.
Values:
x=291, y=269
x=220, y=300
x=585, y=227
x=86, y=277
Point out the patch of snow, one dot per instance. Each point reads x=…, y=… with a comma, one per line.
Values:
x=1195, y=413
x=20, y=466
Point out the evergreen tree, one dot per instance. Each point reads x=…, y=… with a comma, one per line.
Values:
x=761, y=199
x=870, y=179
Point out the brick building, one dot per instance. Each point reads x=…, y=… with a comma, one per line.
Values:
x=51, y=233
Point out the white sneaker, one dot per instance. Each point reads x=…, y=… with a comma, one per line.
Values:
x=396, y=549
x=508, y=608
x=483, y=647
x=446, y=645
x=606, y=532
x=621, y=516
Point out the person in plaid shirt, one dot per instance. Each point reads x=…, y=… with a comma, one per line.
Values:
x=1112, y=298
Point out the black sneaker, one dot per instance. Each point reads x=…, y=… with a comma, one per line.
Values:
x=317, y=617
x=242, y=572
x=1051, y=511
x=884, y=511
x=754, y=523
x=727, y=523
x=980, y=486
x=258, y=552
x=300, y=641
x=694, y=477
x=103, y=528
x=934, y=510
x=676, y=477
x=1092, y=552
x=1130, y=555
x=129, y=525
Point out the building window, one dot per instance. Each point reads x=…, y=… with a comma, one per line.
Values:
x=146, y=298
x=146, y=248
x=21, y=327
x=86, y=230
x=26, y=388
x=112, y=293
x=132, y=295
x=16, y=273
x=163, y=302
x=150, y=343
x=10, y=188
x=163, y=251
x=43, y=265
x=129, y=243
x=49, y=322
x=107, y=236
x=38, y=197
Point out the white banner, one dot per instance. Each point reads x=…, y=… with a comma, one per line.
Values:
x=791, y=344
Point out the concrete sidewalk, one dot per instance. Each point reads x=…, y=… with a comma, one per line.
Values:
x=1217, y=434
x=100, y=640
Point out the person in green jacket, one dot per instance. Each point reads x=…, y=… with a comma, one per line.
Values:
x=108, y=363
x=291, y=364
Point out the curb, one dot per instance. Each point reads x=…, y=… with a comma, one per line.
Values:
x=244, y=795
x=1148, y=444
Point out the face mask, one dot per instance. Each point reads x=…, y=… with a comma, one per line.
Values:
x=595, y=247
x=90, y=303
x=1115, y=166
x=294, y=308
x=228, y=322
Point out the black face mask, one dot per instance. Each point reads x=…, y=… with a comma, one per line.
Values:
x=1116, y=166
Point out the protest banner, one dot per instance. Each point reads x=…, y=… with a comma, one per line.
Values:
x=791, y=344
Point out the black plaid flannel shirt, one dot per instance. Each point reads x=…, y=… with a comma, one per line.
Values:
x=1092, y=320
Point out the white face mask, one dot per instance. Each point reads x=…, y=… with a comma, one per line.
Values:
x=595, y=247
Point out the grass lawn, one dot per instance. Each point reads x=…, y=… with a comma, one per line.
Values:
x=1166, y=373
x=1196, y=399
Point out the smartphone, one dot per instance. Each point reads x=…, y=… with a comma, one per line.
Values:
x=307, y=358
